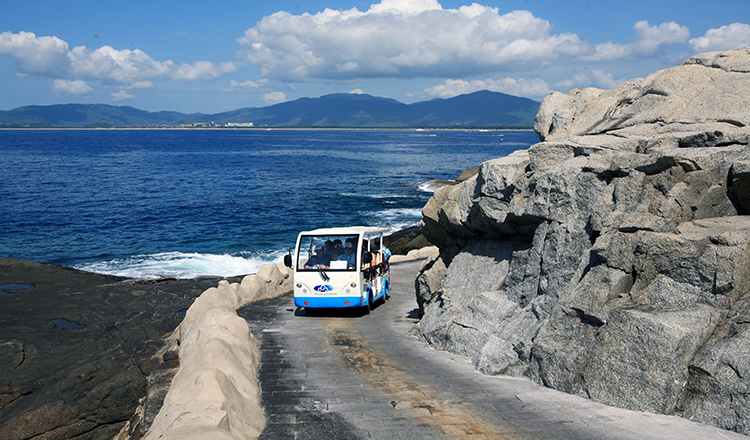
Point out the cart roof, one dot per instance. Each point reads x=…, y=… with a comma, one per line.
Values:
x=351, y=230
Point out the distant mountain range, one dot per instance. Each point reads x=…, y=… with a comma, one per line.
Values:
x=480, y=109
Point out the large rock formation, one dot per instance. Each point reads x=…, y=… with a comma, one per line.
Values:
x=611, y=260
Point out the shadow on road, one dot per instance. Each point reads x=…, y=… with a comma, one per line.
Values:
x=348, y=312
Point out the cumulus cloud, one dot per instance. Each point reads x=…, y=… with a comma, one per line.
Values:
x=245, y=86
x=595, y=78
x=121, y=95
x=201, y=71
x=648, y=41
x=141, y=85
x=71, y=87
x=418, y=38
x=403, y=39
x=42, y=56
x=520, y=87
x=406, y=6
x=578, y=80
x=274, y=97
x=733, y=36
x=605, y=80
x=51, y=57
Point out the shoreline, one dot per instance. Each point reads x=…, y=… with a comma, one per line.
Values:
x=74, y=335
x=85, y=339
x=399, y=242
x=273, y=128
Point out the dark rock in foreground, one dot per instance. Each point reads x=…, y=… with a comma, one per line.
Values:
x=401, y=242
x=76, y=348
x=611, y=260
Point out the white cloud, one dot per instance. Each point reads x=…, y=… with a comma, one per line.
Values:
x=406, y=6
x=609, y=52
x=274, y=97
x=349, y=66
x=141, y=85
x=403, y=38
x=579, y=80
x=122, y=95
x=51, y=57
x=518, y=87
x=418, y=38
x=357, y=92
x=245, y=86
x=605, y=80
x=648, y=41
x=113, y=67
x=733, y=36
x=202, y=71
x=595, y=78
x=71, y=87
x=42, y=56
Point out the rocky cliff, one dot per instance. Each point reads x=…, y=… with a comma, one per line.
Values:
x=611, y=260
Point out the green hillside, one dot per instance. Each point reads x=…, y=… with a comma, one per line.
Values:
x=479, y=109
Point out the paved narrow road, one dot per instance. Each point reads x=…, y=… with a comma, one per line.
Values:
x=347, y=375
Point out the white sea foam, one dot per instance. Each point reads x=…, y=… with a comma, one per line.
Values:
x=395, y=213
x=397, y=219
x=181, y=265
x=435, y=184
x=377, y=196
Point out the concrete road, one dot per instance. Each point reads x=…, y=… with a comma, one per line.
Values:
x=349, y=375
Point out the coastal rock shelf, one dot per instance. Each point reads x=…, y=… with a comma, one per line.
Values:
x=85, y=356
x=612, y=259
x=76, y=348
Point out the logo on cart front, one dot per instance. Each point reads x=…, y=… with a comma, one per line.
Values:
x=323, y=288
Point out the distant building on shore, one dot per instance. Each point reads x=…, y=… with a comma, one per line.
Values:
x=239, y=124
x=213, y=124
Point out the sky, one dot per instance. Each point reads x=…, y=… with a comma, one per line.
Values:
x=206, y=57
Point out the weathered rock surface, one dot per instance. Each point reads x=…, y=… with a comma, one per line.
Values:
x=406, y=240
x=611, y=260
x=76, y=349
x=79, y=353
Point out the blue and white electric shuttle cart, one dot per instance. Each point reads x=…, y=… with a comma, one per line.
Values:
x=340, y=267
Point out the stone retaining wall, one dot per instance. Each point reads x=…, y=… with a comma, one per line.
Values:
x=215, y=393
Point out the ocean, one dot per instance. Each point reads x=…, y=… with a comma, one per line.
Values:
x=153, y=203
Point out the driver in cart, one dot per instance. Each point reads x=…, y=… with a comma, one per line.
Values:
x=320, y=260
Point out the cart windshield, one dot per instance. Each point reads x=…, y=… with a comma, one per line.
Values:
x=329, y=252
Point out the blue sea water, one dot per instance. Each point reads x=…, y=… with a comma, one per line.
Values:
x=188, y=203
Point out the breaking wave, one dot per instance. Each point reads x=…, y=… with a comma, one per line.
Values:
x=181, y=265
x=435, y=184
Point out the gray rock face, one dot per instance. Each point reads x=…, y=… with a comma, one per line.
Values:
x=611, y=260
